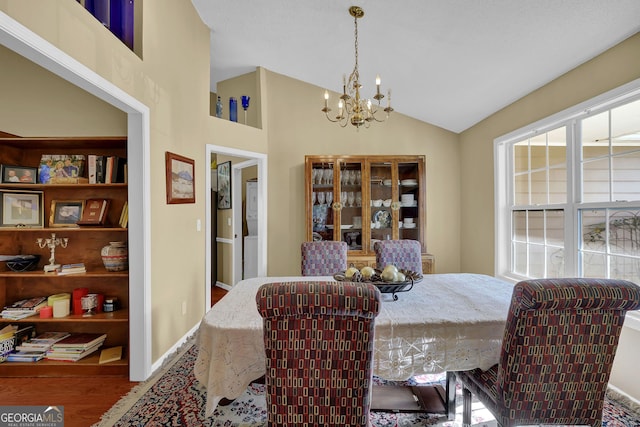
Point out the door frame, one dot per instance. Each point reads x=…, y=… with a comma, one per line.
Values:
x=253, y=159
x=23, y=41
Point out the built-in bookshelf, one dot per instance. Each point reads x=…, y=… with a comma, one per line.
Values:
x=84, y=245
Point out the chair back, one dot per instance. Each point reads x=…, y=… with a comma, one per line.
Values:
x=559, y=344
x=318, y=339
x=324, y=258
x=405, y=254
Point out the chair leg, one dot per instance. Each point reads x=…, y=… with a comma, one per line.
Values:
x=466, y=407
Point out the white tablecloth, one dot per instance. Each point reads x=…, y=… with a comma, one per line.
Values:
x=446, y=322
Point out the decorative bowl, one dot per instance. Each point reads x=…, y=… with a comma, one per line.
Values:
x=23, y=263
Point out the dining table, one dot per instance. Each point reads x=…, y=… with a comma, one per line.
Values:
x=443, y=323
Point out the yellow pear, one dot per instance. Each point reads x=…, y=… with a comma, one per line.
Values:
x=367, y=272
x=389, y=273
x=350, y=272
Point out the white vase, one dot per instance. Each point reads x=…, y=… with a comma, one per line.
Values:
x=115, y=256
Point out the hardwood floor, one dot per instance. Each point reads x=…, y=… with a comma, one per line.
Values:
x=84, y=399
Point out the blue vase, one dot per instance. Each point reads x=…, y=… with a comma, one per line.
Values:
x=233, y=109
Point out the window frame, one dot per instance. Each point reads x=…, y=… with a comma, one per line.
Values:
x=504, y=171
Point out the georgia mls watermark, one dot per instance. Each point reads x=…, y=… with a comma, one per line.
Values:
x=31, y=416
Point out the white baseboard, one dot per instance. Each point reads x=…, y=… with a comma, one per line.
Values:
x=172, y=351
x=223, y=286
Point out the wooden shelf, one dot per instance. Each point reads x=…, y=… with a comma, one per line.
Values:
x=89, y=366
x=118, y=316
x=84, y=245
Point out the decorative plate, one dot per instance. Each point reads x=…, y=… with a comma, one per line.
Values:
x=383, y=217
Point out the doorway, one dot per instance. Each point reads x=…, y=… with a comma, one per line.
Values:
x=251, y=159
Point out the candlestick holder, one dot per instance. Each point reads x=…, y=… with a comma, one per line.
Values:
x=51, y=243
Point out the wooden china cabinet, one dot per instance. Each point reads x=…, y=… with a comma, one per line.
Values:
x=84, y=245
x=363, y=199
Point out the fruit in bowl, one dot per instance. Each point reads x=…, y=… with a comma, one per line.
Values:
x=389, y=273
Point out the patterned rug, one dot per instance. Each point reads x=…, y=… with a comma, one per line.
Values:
x=173, y=397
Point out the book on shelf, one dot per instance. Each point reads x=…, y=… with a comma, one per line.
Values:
x=23, y=334
x=25, y=356
x=79, y=341
x=115, y=170
x=124, y=215
x=8, y=332
x=27, y=304
x=42, y=342
x=110, y=354
x=71, y=356
x=76, y=268
x=17, y=314
x=94, y=212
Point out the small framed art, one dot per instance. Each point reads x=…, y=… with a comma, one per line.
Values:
x=181, y=186
x=18, y=174
x=224, y=185
x=65, y=213
x=21, y=209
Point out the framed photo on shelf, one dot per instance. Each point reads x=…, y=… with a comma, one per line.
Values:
x=21, y=209
x=18, y=174
x=180, y=179
x=94, y=212
x=62, y=169
x=65, y=213
x=224, y=185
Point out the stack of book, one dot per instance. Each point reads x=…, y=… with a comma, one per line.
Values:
x=36, y=348
x=76, y=346
x=24, y=308
x=76, y=268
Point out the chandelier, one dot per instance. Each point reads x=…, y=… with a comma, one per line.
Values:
x=352, y=108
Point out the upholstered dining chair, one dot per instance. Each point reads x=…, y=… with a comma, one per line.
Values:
x=318, y=339
x=559, y=343
x=323, y=258
x=405, y=254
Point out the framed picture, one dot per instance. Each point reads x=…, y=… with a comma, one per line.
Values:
x=224, y=185
x=65, y=213
x=21, y=209
x=18, y=174
x=181, y=186
x=62, y=169
x=94, y=212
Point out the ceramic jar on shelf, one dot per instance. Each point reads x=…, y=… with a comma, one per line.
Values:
x=115, y=256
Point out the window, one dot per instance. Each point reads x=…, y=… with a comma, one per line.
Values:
x=568, y=192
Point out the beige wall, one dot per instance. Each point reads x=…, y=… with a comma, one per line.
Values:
x=613, y=68
x=178, y=99
x=298, y=127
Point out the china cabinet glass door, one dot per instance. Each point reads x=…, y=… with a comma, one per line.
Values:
x=350, y=205
x=409, y=220
x=383, y=204
x=322, y=200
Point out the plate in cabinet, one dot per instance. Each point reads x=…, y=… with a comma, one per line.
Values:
x=383, y=218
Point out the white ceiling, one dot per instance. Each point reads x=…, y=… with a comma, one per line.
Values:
x=450, y=63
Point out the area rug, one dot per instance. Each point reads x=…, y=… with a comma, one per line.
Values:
x=173, y=397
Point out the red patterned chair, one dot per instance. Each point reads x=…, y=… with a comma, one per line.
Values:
x=318, y=338
x=324, y=258
x=404, y=254
x=559, y=344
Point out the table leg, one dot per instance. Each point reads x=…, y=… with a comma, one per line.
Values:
x=451, y=396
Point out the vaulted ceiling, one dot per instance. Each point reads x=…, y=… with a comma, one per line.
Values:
x=450, y=63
